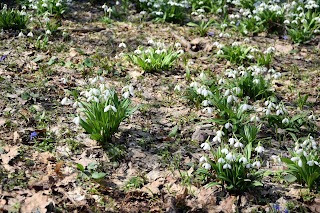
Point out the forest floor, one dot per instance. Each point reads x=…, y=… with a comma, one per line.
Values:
x=157, y=168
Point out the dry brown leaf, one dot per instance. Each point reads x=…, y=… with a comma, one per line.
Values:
x=227, y=205
x=37, y=203
x=16, y=136
x=315, y=206
x=12, y=152
x=2, y=121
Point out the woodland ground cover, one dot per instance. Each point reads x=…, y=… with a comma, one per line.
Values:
x=159, y=106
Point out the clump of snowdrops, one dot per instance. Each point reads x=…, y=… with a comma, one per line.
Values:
x=13, y=19
x=100, y=110
x=156, y=57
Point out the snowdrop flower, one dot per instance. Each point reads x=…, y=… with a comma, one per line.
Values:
x=254, y=118
x=203, y=159
x=300, y=163
x=177, y=88
x=109, y=10
x=150, y=41
x=206, y=103
x=48, y=32
x=226, y=166
x=268, y=111
x=148, y=60
x=228, y=125
x=227, y=92
x=30, y=34
x=66, y=101
x=76, y=120
x=256, y=164
x=221, y=81
x=177, y=45
x=205, y=146
x=245, y=107
x=238, y=145
x=220, y=52
x=158, y=51
x=311, y=117
x=221, y=160
x=230, y=157
x=285, y=121
x=209, y=110
x=206, y=166
x=107, y=108
x=137, y=52
x=232, y=141
x=299, y=151
x=122, y=45
x=224, y=151
x=21, y=35
x=310, y=163
x=259, y=149
x=294, y=159
x=244, y=160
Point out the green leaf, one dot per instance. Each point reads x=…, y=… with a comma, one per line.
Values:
x=174, y=131
x=98, y=175
x=257, y=183
x=209, y=185
x=80, y=167
x=52, y=60
x=289, y=178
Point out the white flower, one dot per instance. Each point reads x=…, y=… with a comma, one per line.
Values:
x=259, y=149
x=203, y=159
x=177, y=45
x=150, y=41
x=295, y=159
x=224, y=151
x=244, y=160
x=299, y=151
x=209, y=110
x=76, y=120
x=226, y=166
x=148, y=60
x=137, y=52
x=206, y=166
x=177, y=88
x=109, y=10
x=205, y=146
x=285, y=121
x=256, y=164
x=21, y=35
x=220, y=133
x=311, y=117
x=122, y=45
x=310, y=163
x=66, y=101
x=254, y=118
x=300, y=162
x=238, y=145
x=48, y=32
x=30, y=34
x=232, y=141
x=228, y=125
x=107, y=108
x=221, y=160
x=205, y=103
x=245, y=107
x=230, y=157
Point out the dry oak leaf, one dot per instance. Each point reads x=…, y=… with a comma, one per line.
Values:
x=12, y=152
x=315, y=206
x=37, y=203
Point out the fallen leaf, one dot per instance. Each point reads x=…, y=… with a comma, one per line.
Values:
x=16, y=136
x=12, y=152
x=2, y=121
x=37, y=203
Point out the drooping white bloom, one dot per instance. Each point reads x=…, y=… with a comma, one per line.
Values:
x=285, y=121
x=232, y=141
x=66, y=101
x=256, y=164
x=244, y=160
x=230, y=157
x=224, y=151
x=310, y=163
x=295, y=159
x=203, y=159
x=221, y=160
x=226, y=166
x=76, y=120
x=206, y=166
x=254, y=118
x=228, y=125
x=107, y=108
x=122, y=45
x=259, y=149
x=205, y=146
x=21, y=35
x=238, y=145
x=300, y=163
x=209, y=110
x=30, y=34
